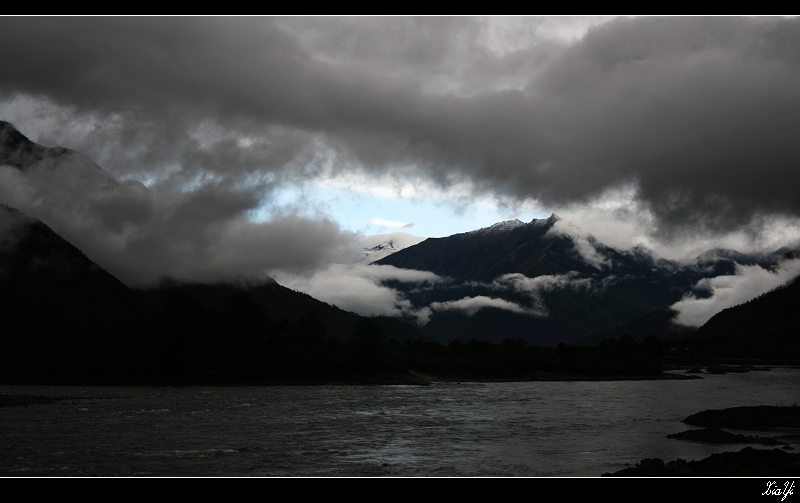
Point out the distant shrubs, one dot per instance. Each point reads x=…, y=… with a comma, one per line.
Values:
x=185, y=336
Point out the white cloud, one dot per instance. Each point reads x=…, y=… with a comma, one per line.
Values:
x=471, y=305
x=358, y=287
x=620, y=219
x=589, y=253
x=583, y=243
x=390, y=223
x=729, y=291
x=534, y=286
x=520, y=282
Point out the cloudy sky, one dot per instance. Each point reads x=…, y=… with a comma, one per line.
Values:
x=225, y=136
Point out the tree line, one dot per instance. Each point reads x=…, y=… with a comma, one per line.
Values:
x=188, y=341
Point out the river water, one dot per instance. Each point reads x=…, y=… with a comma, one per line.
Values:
x=540, y=429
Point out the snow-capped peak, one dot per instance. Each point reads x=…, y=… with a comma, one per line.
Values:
x=377, y=252
x=504, y=226
x=386, y=245
x=541, y=222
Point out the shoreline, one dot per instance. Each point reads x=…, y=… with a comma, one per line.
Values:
x=49, y=376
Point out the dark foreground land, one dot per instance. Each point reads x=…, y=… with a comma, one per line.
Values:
x=718, y=436
x=748, y=418
x=186, y=343
x=748, y=462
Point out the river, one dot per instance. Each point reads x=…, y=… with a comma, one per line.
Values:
x=540, y=429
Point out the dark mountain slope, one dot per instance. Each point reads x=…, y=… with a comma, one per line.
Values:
x=658, y=323
x=716, y=262
x=18, y=151
x=279, y=304
x=771, y=315
x=765, y=327
x=484, y=254
x=39, y=270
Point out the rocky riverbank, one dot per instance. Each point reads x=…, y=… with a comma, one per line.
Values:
x=748, y=462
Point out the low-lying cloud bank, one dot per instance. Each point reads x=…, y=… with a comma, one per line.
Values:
x=362, y=289
x=471, y=305
x=517, y=283
x=728, y=291
x=533, y=287
x=359, y=287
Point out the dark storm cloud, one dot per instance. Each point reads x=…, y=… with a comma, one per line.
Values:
x=701, y=113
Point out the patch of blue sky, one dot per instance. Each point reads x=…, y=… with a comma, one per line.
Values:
x=372, y=213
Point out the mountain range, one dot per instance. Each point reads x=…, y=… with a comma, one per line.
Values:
x=556, y=287
x=534, y=281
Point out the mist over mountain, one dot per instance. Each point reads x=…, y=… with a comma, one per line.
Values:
x=536, y=282
x=770, y=316
x=764, y=326
x=18, y=151
x=532, y=249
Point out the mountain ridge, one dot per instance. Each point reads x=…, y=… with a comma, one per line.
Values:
x=599, y=295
